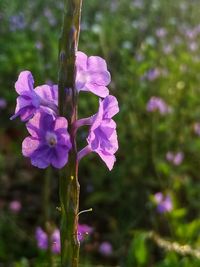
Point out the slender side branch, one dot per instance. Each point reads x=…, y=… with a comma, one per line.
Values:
x=68, y=183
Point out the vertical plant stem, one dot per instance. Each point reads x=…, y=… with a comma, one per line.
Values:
x=68, y=181
x=47, y=208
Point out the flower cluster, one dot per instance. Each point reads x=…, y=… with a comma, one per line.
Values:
x=42, y=237
x=42, y=240
x=49, y=141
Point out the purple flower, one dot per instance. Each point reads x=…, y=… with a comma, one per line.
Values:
x=17, y=22
x=55, y=239
x=178, y=158
x=193, y=46
x=102, y=137
x=92, y=74
x=167, y=49
x=49, y=142
x=49, y=15
x=105, y=248
x=83, y=230
x=169, y=156
x=39, y=45
x=153, y=74
x=138, y=4
x=161, y=32
x=191, y=33
x=157, y=104
x=3, y=103
x=175, y=158
x=30, y=100
x=164, y=203
x=15, y=206
x=48, y=95
x=42, y=237
x=139, y=57
x=42, y=240
x=197, y=128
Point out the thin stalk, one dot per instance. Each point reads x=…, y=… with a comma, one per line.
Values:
x=68, y=180
x=46, y=208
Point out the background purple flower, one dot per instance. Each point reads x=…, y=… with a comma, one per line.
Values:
x=167, y=49
x=169, y=156
x=164, y=203
x=105, y=248
x=161, y=32
x=55, y=241
x=42, y=240
x=83, y=230
x=153, y=74
x=15, y=206
x=157, y=104
x=3, y=103
x=197, y=128
x=49, y=15
x=178, y=158
x=17, y=22
x=92, y=74
x=42, y=237
x=175, y=158
x=39, y=45
x=49, y=142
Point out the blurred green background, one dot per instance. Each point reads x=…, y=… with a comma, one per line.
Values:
x=151, y=198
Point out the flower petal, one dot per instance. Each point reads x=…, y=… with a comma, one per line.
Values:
x=27, y=113
x=25, y=82
x=40, y=162
x=60, y=123
x=98, y=90
x=110, y=106
x=59, y=157
x=100, y=78
x=47, y=121
x=29, y=146
x=41, y=157
x=24, y=108
x=22, y=102
x=108, y=159
x=114, y=143
x=96, y=64
x=60, y=128
x=40, y=123
x=81, y=60
x=48, y=93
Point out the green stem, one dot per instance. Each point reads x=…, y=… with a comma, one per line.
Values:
x=46, y=208
x=68, y=182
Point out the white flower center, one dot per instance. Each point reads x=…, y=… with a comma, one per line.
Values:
x=51, y=139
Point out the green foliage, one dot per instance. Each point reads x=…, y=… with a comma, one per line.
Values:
x=138, y=251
